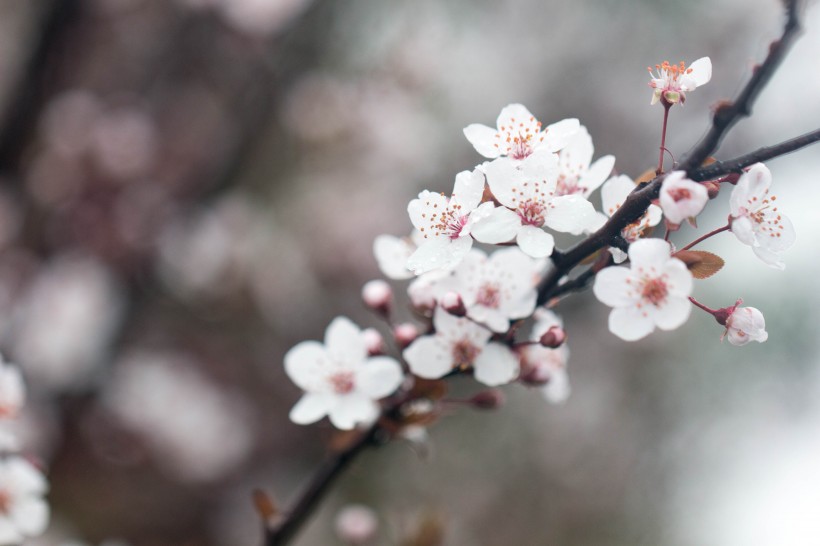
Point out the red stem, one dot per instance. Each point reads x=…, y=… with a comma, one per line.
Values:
x=699, y=304
x=666, y=107
x=710, y=234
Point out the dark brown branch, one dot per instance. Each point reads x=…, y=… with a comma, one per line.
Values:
x=316, y=490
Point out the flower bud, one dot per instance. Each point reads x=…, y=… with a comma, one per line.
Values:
x=535, y=374
x=405, y=334
x=453, y=304
x=374, y=341
x=553, y=338
x=489, y=399
x=712, y=188
x=746, y=324
x=378, y=296
x=356, y=524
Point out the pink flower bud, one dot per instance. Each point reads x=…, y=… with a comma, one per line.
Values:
x=553, y=338
x=356, y=524
x=712, y=188
x=405, y=334
x=489, y=399
x=374, y=341
x=535, y=374
x=746, y=324
x=378, y=295
x=453, y=304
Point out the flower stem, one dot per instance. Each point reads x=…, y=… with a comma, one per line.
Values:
x=703, y=238
x=699, y=304
x=666, y=107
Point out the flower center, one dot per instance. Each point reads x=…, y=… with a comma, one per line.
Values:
x=568, y=185
x=449, y=223
x=679, y=194
x=342, y=382
x=669, y=73
x=531, y=213
x=489, y=295
x=635, y=230
x=5, y=502
x=464, y=353
x=516, y=140
x=655, y=291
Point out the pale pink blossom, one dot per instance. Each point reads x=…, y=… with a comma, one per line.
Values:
x=745, y=324
x=681, y=198
x=461, y=344
x=12, y=390
x=392, y=254
x=613, y=194
x=339, y=379
x=24, y=511
x=577, y=173
x=671, y=82
x=356, y=524
x=756, y=218
x=545, y=366
x=652, y=292
x=519, y=134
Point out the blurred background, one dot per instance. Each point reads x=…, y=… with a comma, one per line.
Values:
x=190, y=187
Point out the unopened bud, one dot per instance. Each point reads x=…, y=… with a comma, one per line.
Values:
x=356, y=524
x=374, y=341
x=732, y=178
x=535, y=375
x=712, y=188
x=378, y=295
x=553, y=338
x=453, y=304
x=489, y=399
x=405, y=334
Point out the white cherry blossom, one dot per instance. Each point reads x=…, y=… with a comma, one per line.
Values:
x=544, y=365
x=339, y=379
x=577, y=173
x=23, y=511
x=671, y=82
x=461, y=344
x=519, y=134
x=446, y=223
x=613, y=194
x=498, y=288
x=12, y=390
x=652, y=292
x=756, y=219
x=745, y=324
x=681, y=198
x=528, y=193
x=392, y=254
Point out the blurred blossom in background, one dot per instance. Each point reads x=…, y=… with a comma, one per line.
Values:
x=189, y=188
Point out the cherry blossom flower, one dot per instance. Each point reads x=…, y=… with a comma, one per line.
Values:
x=756, y=220
x=681, y=198
x=23, y=512
x=746, y=324
x=339, y=379
x=528, y=192
x=613, y=194
x=519, y=134
x=577, y=173
x=671, y=82
x=392, y=254
x=12, y=390
x=653, y=292
x=445, y=223
x=544, y=366
x=498, y=288
x=461, y=344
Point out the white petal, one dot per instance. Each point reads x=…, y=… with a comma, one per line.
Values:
x=630, y=323
x=502, y=177
x=391, y=254
x=351, y=410
x=559, y=134
x=420, y=209
x=513, y=113
x=701, y=71
x=786, y=238
x=614, y=286
x=439, y=253
x=557, y=391
x=483, y=139
x=751, y=189
x=499, y=226
x=310, y=408
x=597, y=174
x=649, y=254
x=8, y=532
x=306, y=364
x=344, y=340
x=673, y=313
x=772, y=259
x=468, y=189
x=743, y=230
x=429, y=357
x=496, y=365
x=614, y=192
x=491, y=318
x=577, y=154
x=570, y=214
x=30, y=515
x=679, y=278
x=535, y=242
x=24, y=476
x=379, y=377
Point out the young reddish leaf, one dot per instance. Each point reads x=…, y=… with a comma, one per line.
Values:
x=701, y=264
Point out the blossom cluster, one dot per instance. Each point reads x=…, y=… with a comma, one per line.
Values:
x=478, y=260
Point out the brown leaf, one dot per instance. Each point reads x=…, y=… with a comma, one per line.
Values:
x=708, y=161
x=702, y=264
x=265, y=506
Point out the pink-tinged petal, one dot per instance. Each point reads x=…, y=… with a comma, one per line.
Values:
x=391, y=254
x=616, y=287
x=649, y=254
x=577, y=154
x=439, y=253
x=653, y=215
x=513, y=114
x=596, y=174
x=570, y=214
x=496, y=365
x=351, y=410
x=380, y=376
x=770, y=258
x=535, y=242
x=618, y=255
x=468, y=189
x=750, y=190
x=679, y=279
x=491, y=318
x=344, y=341
x=557, y=390
x=420, y=210
x=598, y=222
x=630, y=323
x=499, y=225
x=483, y=139
x=559, y=134
x=306, y=365
x=502, y=177
x=701, y=72
x=21, y=476
x=744, y=231
x=310, y=408
x=681, y=198
x=429, y=357
x=673, y=313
